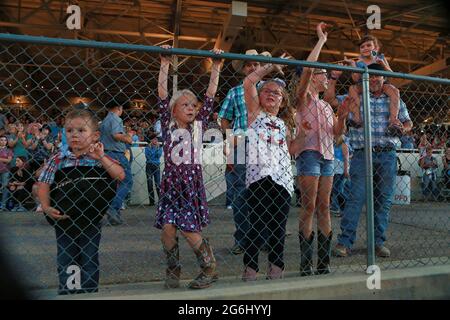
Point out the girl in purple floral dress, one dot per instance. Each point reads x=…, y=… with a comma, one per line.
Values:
x=183, y=205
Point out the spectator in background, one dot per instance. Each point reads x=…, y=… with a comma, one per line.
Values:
x=429, y=165
x=115, y=139
x=214, y=121
x=40, y=148
x=341, y=174
x=408, y=141
x=157, y=129
x=443, y=141
x=3, y=123
x=446, y=164
x=423, y=144
x=54, y=129
x=153, y=154
x=6, y=156
x=21, y=178
x=18, y=141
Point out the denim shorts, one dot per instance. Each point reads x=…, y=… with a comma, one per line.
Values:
x=312, y=163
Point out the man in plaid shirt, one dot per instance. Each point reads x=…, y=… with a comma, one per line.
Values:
x=384, y=169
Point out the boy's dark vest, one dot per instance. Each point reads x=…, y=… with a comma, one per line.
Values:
x=84, y=194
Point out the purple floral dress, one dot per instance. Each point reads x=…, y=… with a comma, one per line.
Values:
x=183, y=197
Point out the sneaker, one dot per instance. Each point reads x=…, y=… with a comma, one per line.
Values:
x=341, y=251
x=249, y=274
x=382, y=252
x=229, y=207
x=237, y=249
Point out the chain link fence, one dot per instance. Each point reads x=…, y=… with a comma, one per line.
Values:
x=44, y=79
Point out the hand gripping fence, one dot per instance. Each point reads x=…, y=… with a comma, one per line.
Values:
x=239, y=222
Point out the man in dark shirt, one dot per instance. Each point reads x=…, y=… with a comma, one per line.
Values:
x=114, y=139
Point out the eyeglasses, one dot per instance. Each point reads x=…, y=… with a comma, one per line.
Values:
x=275, y=93
x=320, y=72
x=278, y=81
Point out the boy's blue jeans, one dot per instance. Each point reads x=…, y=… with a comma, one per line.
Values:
x=78, y=253
x=4, y=176
x=384, y=174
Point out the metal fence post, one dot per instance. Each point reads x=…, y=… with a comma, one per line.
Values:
x=369, y=171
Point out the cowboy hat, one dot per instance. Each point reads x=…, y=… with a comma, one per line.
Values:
x=239, y=64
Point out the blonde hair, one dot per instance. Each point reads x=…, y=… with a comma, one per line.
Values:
x=177, y=95
x=83, y=114
x=173, y=101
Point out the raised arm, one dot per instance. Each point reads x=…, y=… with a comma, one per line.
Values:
x=164, y=74
x=250, y=91
x=305, y=78
x=215, y=72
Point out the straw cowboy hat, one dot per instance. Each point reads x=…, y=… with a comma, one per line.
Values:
x=239, y=64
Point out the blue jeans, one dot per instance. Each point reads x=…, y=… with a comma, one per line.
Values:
x=384, y=174
x=125, y=186
x=153, y=173
x=229, y=193
x=429, y=185
x=337, y=192
x=81, y=251
x=311, y=163
x=4, y=176
x=239, y=203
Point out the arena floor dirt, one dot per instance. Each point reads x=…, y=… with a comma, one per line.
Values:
x=418, y=234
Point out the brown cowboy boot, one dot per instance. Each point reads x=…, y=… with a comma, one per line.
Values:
x=173, y=270
x=207, y=263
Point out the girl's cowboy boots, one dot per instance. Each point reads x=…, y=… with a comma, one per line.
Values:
x=306, y=253
x=207, y=263
x=173, y=270
x=323, y=253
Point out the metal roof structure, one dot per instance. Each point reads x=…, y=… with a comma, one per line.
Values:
x=414, y=33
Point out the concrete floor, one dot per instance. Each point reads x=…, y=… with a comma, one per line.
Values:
x=418, y=235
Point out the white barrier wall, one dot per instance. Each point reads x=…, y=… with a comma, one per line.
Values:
x=214, y=172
